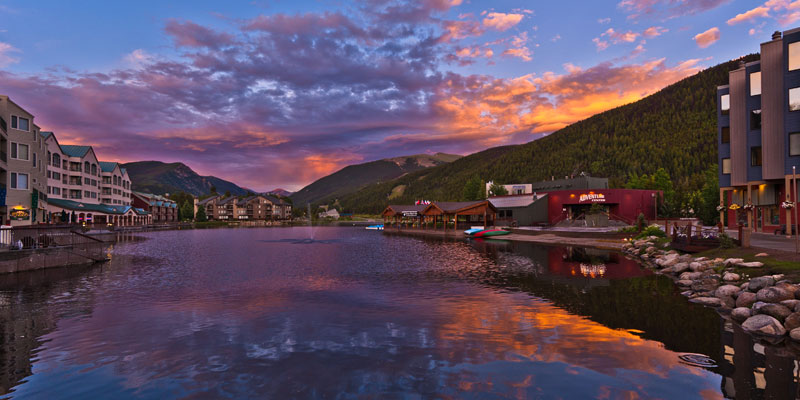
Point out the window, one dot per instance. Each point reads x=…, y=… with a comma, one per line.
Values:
x=725, y=104
x=794, y=56
x=34, y=160
x=20, y=123
x=726, y=134
x=755, y=84
x=85, y=167
x=19, y=151
x=56, y=160
x=794, y=99
x=19, y=181
x=755, y=120
x=794, y=144
x=94, y=169
x=726, y=165
x=755, y=156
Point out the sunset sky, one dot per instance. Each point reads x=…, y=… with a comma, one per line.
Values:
x=279, y=93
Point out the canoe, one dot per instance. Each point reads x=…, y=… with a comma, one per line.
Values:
x=470, y=232
x=375, y=227
x=490, y=232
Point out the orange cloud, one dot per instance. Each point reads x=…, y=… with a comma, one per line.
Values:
x=502, y=21
x=758, y=12
x=784, y=11
x=654, y=31
x=707, y=38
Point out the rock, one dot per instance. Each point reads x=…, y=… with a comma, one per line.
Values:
x=701, y=258
x=727, y=291
x=685, y=282
x=790, y=304
x=760, y=282
x=753, y=264
x=762, y=255
x=792, y=322
x=776, y=311
x=707, y=301
x=732, y=261
x=788, y=287
x=730, y=277
x=691, y=275
x=773, y=295
x=743, y=286
x=680, y=267
x=763, y=324
x=687, y=293
x=795, y=334
x=651, y=250
x=745, y=299
x=705, y=285
x=669, y=261
x=739, y=314
x=728, y=301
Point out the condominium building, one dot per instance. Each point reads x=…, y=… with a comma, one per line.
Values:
x=758, y=135
x=161, y=208
x=255, y=207
x=115, y=185
x=23, y=182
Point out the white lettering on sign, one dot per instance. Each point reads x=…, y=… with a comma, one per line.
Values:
x=593, y=197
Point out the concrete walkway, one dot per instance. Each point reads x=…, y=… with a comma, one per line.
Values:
x=767, y=241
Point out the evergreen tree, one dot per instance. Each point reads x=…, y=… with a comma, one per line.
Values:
x=497, y=190
x=187, y=211
x=201, y=215
x=709, y=197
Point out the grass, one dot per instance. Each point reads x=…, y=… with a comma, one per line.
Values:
x=772, y=265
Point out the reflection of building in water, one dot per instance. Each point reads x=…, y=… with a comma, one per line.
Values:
x=593, y=270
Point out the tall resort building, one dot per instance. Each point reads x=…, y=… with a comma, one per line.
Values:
x=758, y=136
x=23, y=183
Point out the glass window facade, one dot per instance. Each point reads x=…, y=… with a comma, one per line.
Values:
x=755, y=156
x=726, y=134
x=794, y=99
x=794, y=144
x=755, y=120
x=794, y=56
x=726, y=165
x=755, y=84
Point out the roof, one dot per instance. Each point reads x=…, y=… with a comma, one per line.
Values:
x=207, y=200
x=399, y=209
x=74, y=150
x=453, y=206
x=123, y=170
x=46, y=134
x=458, y=207
x=521, y=200
x=107, y=166
x=106, y=209
x=276, y=200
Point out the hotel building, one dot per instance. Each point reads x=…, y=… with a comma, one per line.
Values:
x=23, y=183
x=758, y=135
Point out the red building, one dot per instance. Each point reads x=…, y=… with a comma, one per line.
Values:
x=620, y=204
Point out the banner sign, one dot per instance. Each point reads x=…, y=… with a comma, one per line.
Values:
x=593, y=197
x=19, y=214
x=410, y=213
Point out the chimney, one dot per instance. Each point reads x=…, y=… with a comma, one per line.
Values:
x=776, y=35
x=741, y=64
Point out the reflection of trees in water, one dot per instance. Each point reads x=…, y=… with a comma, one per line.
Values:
x=651, y=304
x=25, y=317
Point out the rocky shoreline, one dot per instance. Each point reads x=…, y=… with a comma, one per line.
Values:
x=766, y=306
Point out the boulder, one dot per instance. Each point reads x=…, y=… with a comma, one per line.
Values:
x=753, y=264
x=792, y=322
x=763, y=324
x=705, y=285
x=760, y=282
x=790, y=288
x=680, y=267
x=687, y=293
x=732, y=261
x=795, y=334
x=727, y=291
x=691, y=275
x=740, y=314
x=696, y=266
x=707, y=301
x=685, y=282
x=776, y=311
x=701, y=258
x=745, y=299
x=762, y=255
x=773, y=295
x=728, y=301
x=790, y=304
x=730, y=277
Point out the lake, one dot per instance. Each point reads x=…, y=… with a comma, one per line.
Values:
x=271, y=313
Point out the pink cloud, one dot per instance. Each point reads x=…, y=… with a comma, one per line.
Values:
x=5, y=54
x=654, y=31
x=707, y=38
x=666, y=9
x=189, y=34
x=501, y=21
x=758, y=12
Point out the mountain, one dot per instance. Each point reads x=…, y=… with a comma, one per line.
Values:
x=674, y=128
x=354, y=177
x=280, y=192
x=159, y=178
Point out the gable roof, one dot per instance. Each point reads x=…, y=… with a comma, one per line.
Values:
x=207, y=200
x=107, y=166
x=513, y=201
x=391, y=210
x=46, y=134
x=457, y=207
x=75, y=150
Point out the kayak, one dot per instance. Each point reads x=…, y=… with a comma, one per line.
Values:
x=472, y=231
x=375, y=227
x=490, y=232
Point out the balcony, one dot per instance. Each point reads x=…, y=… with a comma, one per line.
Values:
x=3, y=156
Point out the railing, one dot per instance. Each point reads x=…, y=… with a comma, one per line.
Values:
x=3, y=156
x=3, y=125
x=73, y=240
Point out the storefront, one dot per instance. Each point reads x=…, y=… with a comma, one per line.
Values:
x=617, y=204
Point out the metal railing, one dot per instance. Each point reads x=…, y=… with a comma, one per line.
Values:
x=72, y=240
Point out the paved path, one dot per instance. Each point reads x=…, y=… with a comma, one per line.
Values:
x=768, y=241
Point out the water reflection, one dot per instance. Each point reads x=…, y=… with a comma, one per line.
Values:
x=242, y=313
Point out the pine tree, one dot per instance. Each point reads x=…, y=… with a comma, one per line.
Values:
x=201, y=215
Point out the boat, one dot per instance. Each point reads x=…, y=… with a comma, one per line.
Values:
x=490, y=232
x=375, y=228
x=472, y=231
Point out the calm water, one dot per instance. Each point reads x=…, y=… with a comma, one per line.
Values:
x=265, y=313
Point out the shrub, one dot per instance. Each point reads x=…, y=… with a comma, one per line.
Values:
x=640, y=222
x=652, y=230
x=726, y=242
x=628, y=229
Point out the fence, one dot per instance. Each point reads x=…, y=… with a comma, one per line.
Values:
x=72, y=239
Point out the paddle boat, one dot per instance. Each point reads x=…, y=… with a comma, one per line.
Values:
x=472, y=231
x=375, y=228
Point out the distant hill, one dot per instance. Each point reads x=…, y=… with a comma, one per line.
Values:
x=354, y=177
x=280, y=192
x=159, y=178
x=674, y=128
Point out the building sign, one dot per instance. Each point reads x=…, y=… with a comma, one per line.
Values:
x=410, y=213
x=19, y=213
x=593, y=197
